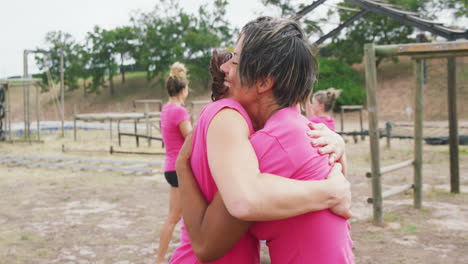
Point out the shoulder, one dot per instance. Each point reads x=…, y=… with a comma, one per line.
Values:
x=226, y=111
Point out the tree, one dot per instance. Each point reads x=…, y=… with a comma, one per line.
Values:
x=348, y=46
x=168, y=34
x=122, y=40
x=102, y=60
x=59, y=43
x=208, y=30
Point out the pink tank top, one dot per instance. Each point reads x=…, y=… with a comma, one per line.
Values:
x=246, y=251
x=321, y=237
x=329, y=122
x=171, y=116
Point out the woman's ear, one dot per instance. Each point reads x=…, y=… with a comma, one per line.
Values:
x=265, y=84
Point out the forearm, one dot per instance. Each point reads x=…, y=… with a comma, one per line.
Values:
x=211, y=229
x=270, y=197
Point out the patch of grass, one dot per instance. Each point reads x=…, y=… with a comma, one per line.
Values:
x=24, y=237
x=43, y=252
x=66, y=199
x=461, y=151
x=374, y=236
x=409, y=228
x=390, y=217
x=115, y=199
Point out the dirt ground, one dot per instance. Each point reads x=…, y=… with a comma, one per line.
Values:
x=71, y=216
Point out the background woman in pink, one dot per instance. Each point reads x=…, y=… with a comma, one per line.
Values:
x=320, y=108
x=175, y=126
x=222, y=156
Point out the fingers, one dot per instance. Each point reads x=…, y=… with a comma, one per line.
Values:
x=332, y=159
x=316, y=133
x=317, y=126
x=320, y=141
x=337, y=167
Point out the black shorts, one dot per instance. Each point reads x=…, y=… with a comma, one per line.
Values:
x=171, y=177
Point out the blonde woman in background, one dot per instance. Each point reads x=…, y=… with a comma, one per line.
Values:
x=320, y=108
x=175, y=126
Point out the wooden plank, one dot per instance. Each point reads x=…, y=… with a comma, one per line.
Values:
x=453, y=125
x=371, y=87
x=419, y=48
x=394, y=191
x=352, y=107
x=390, y=168
x=418, y=133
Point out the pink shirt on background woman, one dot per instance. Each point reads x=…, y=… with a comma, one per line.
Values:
x=328, y=121
x=246, y=251
x=171, y=116
x=320, y=237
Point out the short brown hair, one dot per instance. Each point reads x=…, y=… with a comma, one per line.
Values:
x=278, y=48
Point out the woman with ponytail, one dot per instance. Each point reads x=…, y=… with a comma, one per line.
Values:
x=320, y=108
x=175, y=126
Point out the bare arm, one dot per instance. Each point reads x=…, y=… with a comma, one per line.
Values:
x=185, y=128
x=254, y=196
x=212, y=230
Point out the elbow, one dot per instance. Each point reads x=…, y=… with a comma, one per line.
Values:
x=203, y=253
x=242, y=209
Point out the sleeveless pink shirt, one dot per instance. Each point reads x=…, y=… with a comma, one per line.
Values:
x=246, y=251
x=171, y=116
x=321, y=237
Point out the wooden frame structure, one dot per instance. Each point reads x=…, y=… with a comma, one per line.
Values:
x=418, y=52
x=24, y=82
x=102, y=117
x=352, y=108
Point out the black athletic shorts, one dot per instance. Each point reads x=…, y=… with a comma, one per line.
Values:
x=171, y=177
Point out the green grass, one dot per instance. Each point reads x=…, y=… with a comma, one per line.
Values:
x=461, y=151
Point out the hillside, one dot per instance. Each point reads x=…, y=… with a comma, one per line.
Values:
x=395, y=93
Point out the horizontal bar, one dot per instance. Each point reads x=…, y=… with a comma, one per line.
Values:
x=393, y=191
x=418, y=48
x=393, y=167
x=352, y=107
x=16, y=157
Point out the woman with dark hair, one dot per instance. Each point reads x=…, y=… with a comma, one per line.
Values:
x=175, y=126
x=272, y=70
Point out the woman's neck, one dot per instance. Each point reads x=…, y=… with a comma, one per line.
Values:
x=175, y=100
x=262, y=110
x=326, y=114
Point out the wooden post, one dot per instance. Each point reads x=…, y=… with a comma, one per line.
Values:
x=371, y=86
x=148, y=125
x=342, y=119
x=26, y=95
x=8, y=112
x=453, y=125
x=74, y=128
x=388, y=129
x=362, y=127
x=110, y=129
x=62, y=93
x=136, y=130
x=75, y=112
x=37, y=113
x=118, y=131
x=418, y=133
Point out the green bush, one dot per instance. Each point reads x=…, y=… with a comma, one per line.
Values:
x=337, y=74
